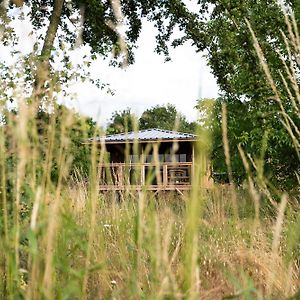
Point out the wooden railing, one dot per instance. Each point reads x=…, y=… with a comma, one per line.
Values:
x=162, y=175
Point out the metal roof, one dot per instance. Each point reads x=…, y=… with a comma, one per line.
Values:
x=146, y=135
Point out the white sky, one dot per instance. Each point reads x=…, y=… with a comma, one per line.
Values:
x=148, y=82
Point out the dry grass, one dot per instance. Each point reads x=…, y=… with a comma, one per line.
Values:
x=63, y=239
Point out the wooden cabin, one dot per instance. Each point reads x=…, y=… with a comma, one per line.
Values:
x=153, y=159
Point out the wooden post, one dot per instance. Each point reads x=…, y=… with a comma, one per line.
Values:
x=165, y=175
x=142, y=158
x=143, y=174
x=157, y=164
x=122, y=179
x=193, y=161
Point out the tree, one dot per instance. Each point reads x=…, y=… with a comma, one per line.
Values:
x=256, y=109
x=160, y=116
x=219, y=27
x=165, y=117
x=98, y=24
x=79, y=130
x=121, y=121
x=229, y=43
x=58, y=127
x=206, y=116
x=245, y=128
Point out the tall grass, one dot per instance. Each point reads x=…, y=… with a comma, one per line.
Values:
x=61, y=238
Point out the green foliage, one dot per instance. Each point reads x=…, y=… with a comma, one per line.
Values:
x=266, y=141
x=99, y=22
x=231, y=54
x=68, y=241
x=79, y=129
x=165, y=117
x=121, y=121
x=86, y=22
x=254, y=116
x=160, y=116
x=206, y=113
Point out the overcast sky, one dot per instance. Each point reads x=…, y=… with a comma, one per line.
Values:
x=150, y=81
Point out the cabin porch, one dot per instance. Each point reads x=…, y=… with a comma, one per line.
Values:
x=150, y=176
x=152, y=159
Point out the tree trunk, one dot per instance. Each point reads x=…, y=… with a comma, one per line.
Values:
x=43, y=64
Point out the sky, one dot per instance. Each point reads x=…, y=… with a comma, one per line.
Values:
x=149, y=81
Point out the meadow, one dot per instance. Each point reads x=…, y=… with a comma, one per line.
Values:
x=63, y=239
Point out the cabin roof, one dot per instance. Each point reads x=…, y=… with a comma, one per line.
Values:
x=146, y=135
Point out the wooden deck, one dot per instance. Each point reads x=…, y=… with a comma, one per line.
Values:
x=146, y=187
x=146, y=176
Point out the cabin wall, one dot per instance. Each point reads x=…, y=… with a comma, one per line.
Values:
x=166, y=175
x=184, y=151
x=117, y=153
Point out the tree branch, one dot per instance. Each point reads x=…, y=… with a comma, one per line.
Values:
x=43, y=64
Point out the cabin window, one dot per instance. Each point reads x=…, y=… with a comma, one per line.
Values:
x=182, y=157
x=134, y=158
x=175, y=157
x=168, y=158
x=162, y=158
x=149, y=158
